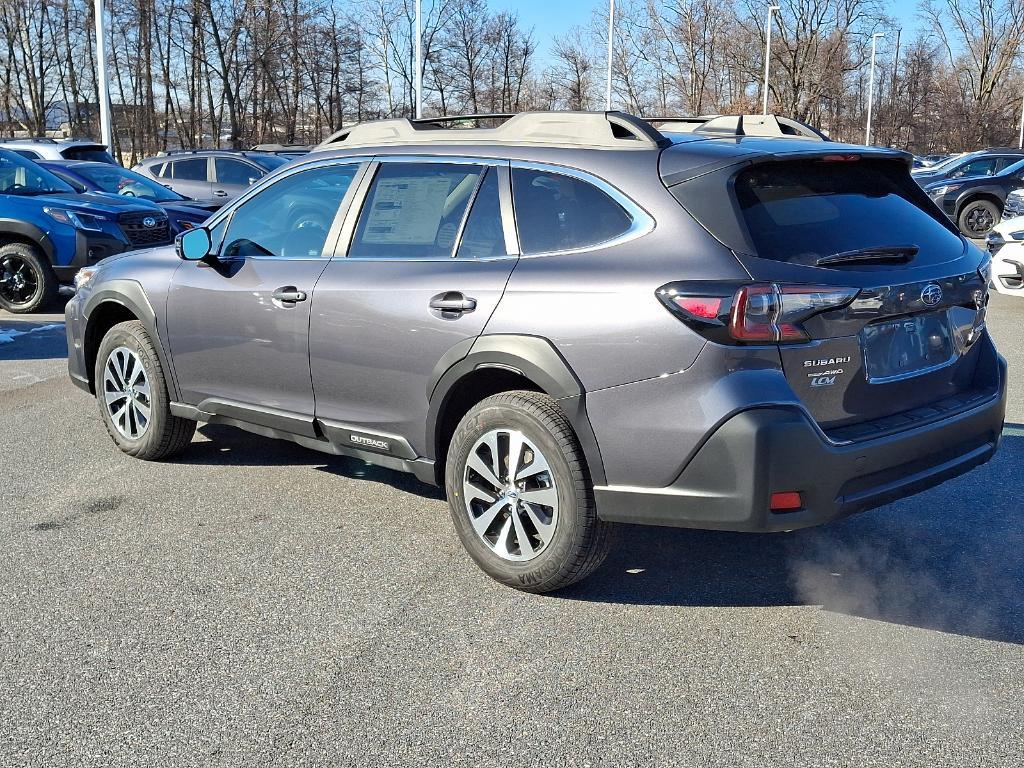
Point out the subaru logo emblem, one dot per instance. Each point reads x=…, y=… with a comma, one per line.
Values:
x=149, y=221
x=931, y=295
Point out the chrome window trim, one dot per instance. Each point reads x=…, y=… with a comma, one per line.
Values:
x=501, y=165
x=642, y=222
x=327, y=251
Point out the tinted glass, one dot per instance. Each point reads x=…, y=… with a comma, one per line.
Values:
x=800, y=211
x=119, y=181
x=483, y=236
x=88, y=153
x=189, y=170
x=69, y=180
x=235, y=172
x=27, y=153
x=19, y=176
x=982, y=167
x=555, y=212
x=414, y=210
x=291, y=218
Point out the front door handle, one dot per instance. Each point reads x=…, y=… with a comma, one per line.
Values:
x=453, y=302
x=289, y=294
x=220, y=193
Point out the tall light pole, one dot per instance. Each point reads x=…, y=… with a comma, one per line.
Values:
x=102, y=88
x=1020, y=143
x=767, y=56
x=611, y=39
x=871, y=86
x=419, y=59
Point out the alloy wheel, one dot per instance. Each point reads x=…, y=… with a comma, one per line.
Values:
x=18, y=281
x=980, y=220
x=510, y=496
x=126, y=393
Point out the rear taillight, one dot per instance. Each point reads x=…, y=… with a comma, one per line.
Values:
x=758, y=314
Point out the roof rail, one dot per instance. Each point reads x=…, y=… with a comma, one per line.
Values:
x=741, y=125
x=34, y=140
x=596, y=130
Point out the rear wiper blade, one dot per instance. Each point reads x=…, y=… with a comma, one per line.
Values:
x=881, y=254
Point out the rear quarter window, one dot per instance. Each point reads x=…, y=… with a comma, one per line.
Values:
x=800, y=211
x=558, y=212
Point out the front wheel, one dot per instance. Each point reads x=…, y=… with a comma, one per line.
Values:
x=132, y=395
x=978, y=217
x=521, y=496
x=27, y=282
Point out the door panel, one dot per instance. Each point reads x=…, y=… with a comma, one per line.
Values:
x=231, y=340
x=374, y=340
x=385, y=315
x=238, y=325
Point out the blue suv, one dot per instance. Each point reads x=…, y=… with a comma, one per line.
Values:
x=48, y=231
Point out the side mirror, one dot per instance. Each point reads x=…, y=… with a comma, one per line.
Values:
x=193, y=245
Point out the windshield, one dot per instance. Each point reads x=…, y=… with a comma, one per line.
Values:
x=949, y=162
x=19, y=176
x=121, y=181
x=270, y=162
x=1011, y=170
x=800, y=211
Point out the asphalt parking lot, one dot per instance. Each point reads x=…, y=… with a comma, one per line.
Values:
x=255, y=604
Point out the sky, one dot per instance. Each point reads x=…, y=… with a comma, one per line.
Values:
x=551, y=18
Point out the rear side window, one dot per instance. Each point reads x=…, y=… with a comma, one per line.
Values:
x=798, y=212
x=26, y=153
x=556, y=212
x=189, y=170
x=414, y=211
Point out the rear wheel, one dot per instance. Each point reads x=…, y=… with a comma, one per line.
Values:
x=520, y=494
x=132, y=396
x=27, y=282
x=978, y=217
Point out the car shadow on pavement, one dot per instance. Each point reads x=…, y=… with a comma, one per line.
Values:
x=951, y=559
x=231, y=446
x=31, y=339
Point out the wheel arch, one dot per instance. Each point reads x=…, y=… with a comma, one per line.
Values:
x=985, y=193
x=15, y=230
x=478, y=368
x=118, y=301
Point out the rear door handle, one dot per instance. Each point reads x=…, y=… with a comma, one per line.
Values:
x=220, y=193
x=289, y=294
x=454, y=302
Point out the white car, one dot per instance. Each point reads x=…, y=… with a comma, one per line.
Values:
x=66, y=149
x=1006, y=244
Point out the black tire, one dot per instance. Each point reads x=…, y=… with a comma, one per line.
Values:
x=978, y=217
x=580, y=541
x=27, y=281
x=163, y=434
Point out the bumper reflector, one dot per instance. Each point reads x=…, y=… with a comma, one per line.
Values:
x=786, y=501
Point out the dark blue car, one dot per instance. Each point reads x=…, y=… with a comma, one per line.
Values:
x=48, y=231
x=89, y=176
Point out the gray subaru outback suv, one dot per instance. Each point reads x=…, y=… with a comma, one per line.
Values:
x=569, y=320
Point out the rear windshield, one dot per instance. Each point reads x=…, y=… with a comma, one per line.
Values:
x=800, y=211
x=96, y=154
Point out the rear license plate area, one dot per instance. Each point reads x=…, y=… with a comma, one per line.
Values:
x=909, y=346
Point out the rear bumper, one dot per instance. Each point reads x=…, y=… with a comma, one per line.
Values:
x=728, y=483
